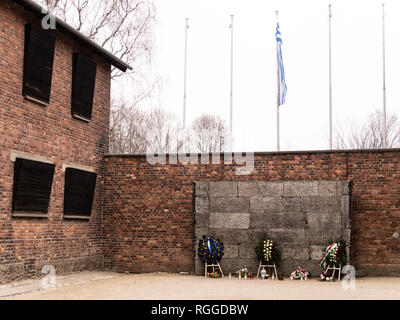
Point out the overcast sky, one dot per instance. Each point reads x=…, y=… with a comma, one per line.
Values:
x=357, y=65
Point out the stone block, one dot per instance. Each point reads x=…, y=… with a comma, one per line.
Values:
x=249, y=189
x=260, y=188
x=231, y=251
x=202, y=189
x=346, y=236
x=329, y=188
x=201, y=220
x=202, y=205
x=300, y=188
x=322, y=236
x=318, y=220
x=345, y=187
x=199, y=233
x=292, y=204
x=288, y=236
x=229, y=204
x=346, y=204
x=229, y=220
x=223, y=189
x=247, y=251
x=295, y=220
x=233, y=265
x=316, y=252
x=266, y=204
x=237, y=236
x=266, y=220
x=321, y=203
x=345, y=212
x=198, y=266
x=295, y=253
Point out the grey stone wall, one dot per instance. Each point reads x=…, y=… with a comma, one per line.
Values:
x=301, y=216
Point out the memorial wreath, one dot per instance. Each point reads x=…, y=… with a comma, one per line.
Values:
x=210, y=250
x=267, y=251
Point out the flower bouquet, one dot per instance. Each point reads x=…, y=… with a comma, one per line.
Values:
x=214, y=274
x=243, y=273
x=299, y=274
x=324, y=277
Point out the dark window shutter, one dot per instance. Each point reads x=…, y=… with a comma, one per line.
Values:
x=38, y=63
x=83, y=83
x=32, y=186
x=79, y=191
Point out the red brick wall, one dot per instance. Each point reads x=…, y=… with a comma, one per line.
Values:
x=48, y=131
x=148, y=222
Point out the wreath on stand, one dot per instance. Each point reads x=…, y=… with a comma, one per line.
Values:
x=267, y=251
x=210, y=250
x=335, y=255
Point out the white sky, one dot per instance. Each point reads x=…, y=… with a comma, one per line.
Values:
x=356, y=54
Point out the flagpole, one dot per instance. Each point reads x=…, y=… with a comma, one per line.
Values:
x=278, y=147
x=384, y=77
x=330, y=78
x=231, y=93
x=185, y=73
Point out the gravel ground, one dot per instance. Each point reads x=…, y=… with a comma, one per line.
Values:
x=107, y=285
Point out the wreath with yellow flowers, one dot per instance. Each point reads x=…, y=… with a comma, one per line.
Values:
x=267, y=251
x=210, y=250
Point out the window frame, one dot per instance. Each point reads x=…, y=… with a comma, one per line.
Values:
x=83, y=169
x=15, y=157
x=29, y=28
x=77, y=59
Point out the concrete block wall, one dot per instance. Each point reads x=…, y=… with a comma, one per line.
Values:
x=301, y=216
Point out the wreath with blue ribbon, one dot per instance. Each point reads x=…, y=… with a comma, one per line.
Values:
x=210, y=250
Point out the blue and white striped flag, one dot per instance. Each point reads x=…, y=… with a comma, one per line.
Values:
x=281, y=70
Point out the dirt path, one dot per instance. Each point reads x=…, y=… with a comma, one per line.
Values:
x=170, y=286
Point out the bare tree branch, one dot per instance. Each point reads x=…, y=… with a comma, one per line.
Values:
x=209, y=134
x=124, y=27
x=369, y=135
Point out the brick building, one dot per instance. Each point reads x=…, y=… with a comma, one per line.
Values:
x=54, y=122
x=64, y=202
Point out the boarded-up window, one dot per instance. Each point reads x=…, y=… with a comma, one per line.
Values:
x=79, y=191
x=38, y=63
x=32, y=186
x=83, y=82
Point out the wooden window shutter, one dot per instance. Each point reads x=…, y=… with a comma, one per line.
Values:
x=83, y=83
x=38, y=63
x=32, y=186
x=78, y=192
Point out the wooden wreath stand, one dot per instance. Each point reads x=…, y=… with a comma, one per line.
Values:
x=334, y=269
x=213, y=266
x=269, y=266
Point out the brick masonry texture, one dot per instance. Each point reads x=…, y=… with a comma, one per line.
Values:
x=51, y=132
x=312, y=208
x=149, y=210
